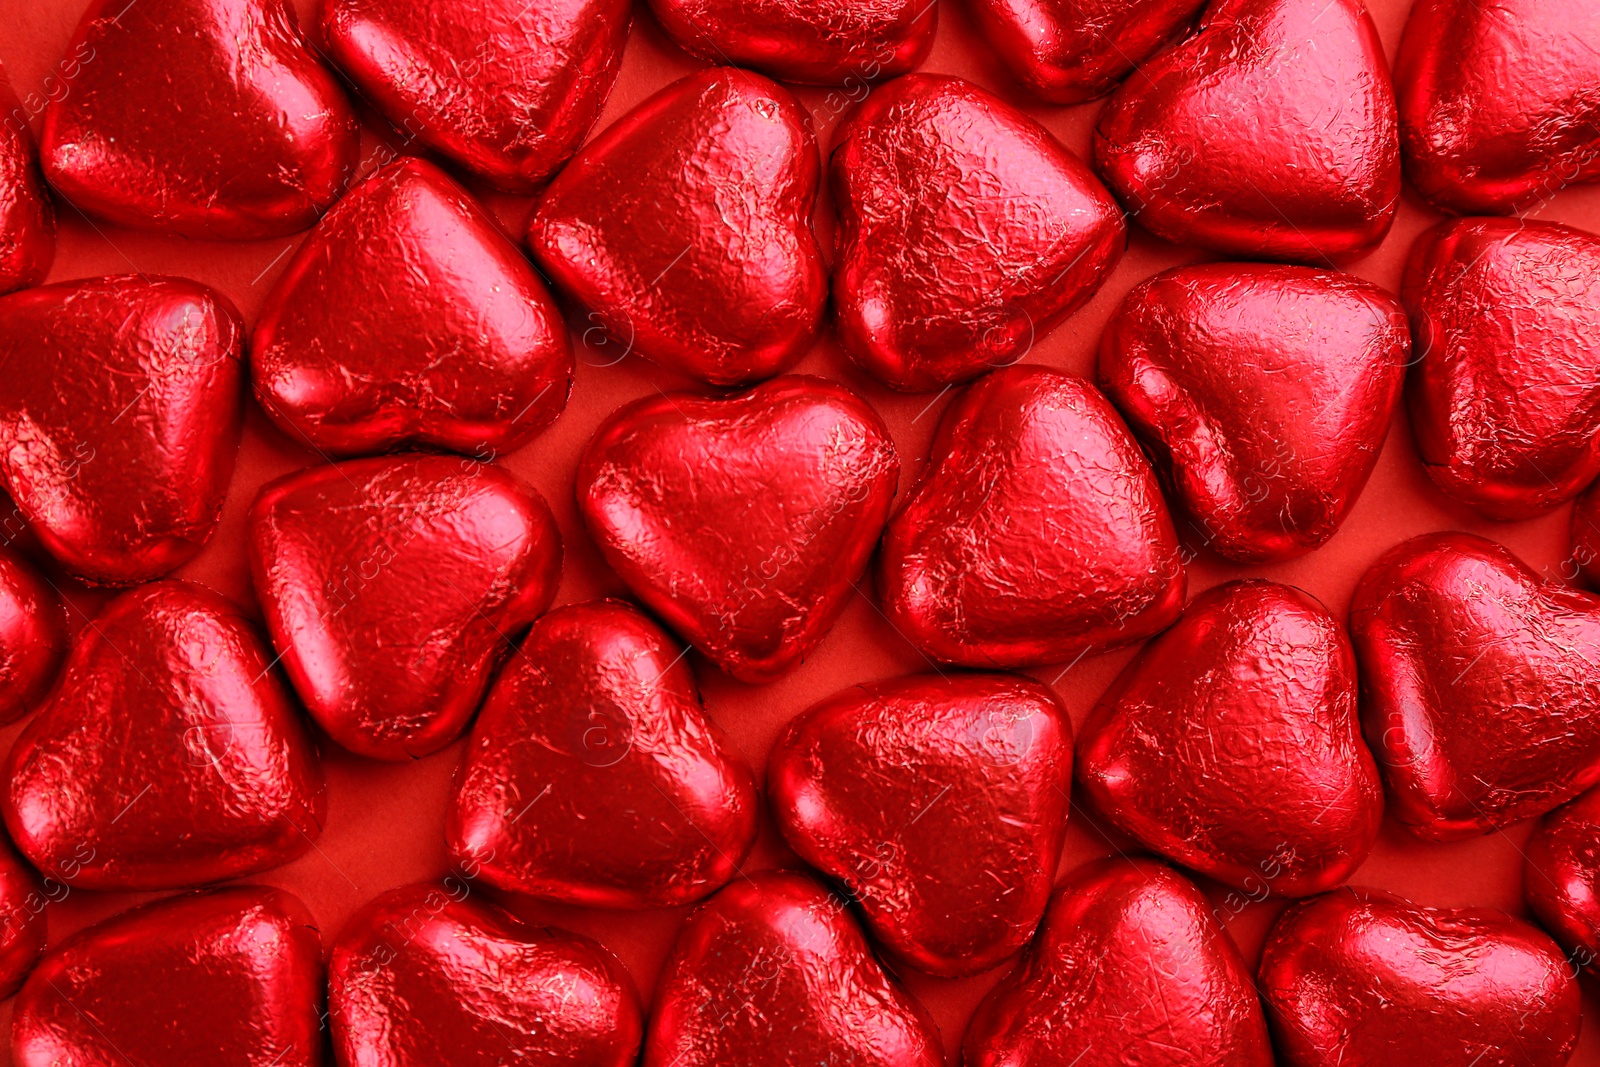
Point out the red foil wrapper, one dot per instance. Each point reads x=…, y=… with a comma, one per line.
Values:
x=1264, y=395
x=1269, y=133
x=120, y=419
x=392, y=588
x=1036, y=534
x=1232, y=745
x=1478, y=682
x=169, y=756
x=1499, y=104
x=1069, y=51
x=685, y=229
x=1561, y=880
x=815, y=42
x=594, y=776
x=424, y=976
x=1361, y=977
x=22, y=919
x=774, y=971
x=233, y=976
x=1584, y=561
x=408, y=318
x=506, y=89
x=939, y=803
x=1131, y=967
x=27, y=217
x=33, y=636
x=1505, y=401
x=205, y=118
x=744, y=523
x=966, y=231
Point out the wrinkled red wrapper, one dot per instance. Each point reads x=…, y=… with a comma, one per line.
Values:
x=386, y=822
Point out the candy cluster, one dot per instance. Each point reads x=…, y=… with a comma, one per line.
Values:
x=407, y=586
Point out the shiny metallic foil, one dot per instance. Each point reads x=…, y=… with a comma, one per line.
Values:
x=939, y=804
x=1037, y=532
x=1362, y=977
x=594, y=777
x=393, y=588
x=429, y=974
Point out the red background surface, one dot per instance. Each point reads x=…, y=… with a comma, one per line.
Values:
x=385, y=824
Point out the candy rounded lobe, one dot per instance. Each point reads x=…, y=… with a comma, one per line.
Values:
x=408, y=318
x=813, y=42
x=1263, y=395
x=1505, y=397
x=1037, y=533
x=255, y=140
x=1359, y=976
x=231, y=976
x=594, y=777
x=1131, y=966
x=33, y=637
x=745, y=522
x=1478, y=682
x=27, y=217
x=940, y=804
x=1070, y=51
x=966, y=232
x=506, y=90
x=1561, y=878
x=1584, y=561
x=1499, y=105
x=774, y=972
x=393, y=588
x=22, y=919
x=169, y=755
x=1269, y=133
x=684, y=229
x=1232, y=745
x=120, y=419
x=427, y=974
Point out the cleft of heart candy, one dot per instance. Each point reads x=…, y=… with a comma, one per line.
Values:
x=745, y=485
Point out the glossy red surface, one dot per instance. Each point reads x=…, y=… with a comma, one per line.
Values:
x=674, y=491
x=965, y=232
x=1499, y=104
x=1130, y=968
x=23, y=903
x=1562, y=878
x=685, y=229
x=205, y=118
x=1505, y=397
x=169, y=756
x=407, y=317
x=1232, y=745
x=1262, y=393
x=1478, y=680
x=1361, y=977
x=425, y=976
x=1270, y=133
x=774, y=972
x=1033, y=487
x=33, y=636
x=386, y=820
x=1069, y=51
x=392, y=589
x=816, y=42
x=232, y=976
x=593, y=775
x=506, y=89
x=120, y=475
x=938, y=803
x=27, y=217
